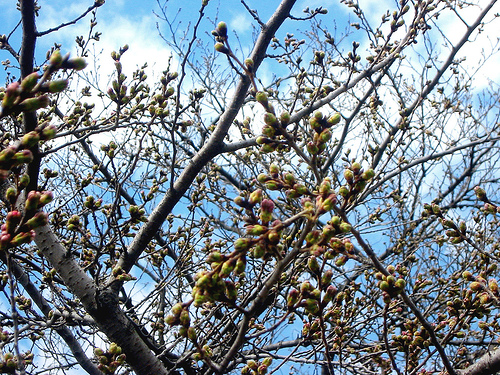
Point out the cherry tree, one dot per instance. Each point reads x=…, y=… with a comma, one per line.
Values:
x=338, y=215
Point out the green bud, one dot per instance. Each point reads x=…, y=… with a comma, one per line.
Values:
x=29, y=82
x=255, y=197
x=220, y=47
x=285, y=118
x=56, y=59
x=261, y=97
x=368, y=174
x=30, y=139
x=58, y=85
x=33, y=104
x=270, y=119
x=334, y=120
x=77, y=63
x=349, y=175
x=221, y=29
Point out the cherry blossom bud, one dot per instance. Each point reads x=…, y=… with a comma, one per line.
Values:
x=220, y=47
x=29, y=82
x=58, y=85
x=261, y=97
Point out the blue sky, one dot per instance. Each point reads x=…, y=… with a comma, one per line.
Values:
x=135, y=23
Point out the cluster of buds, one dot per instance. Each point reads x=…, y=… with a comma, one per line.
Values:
x=92, y=204
x=325, y=198
x=180, y=317
x=326, y=242
x=356, y=179
x=74, y=223
x=253, y=367
x=311, y=298
x=321, y=131
x=489, y=207
x=158, y=106
x=118, y=90
x=18, y=154
x=272, y=131
x=455, y=233
x=137, y=214
x=31, y=94
x=18, y=229
x=121, y=275
x=391, y=285
x=285, y=181
x=220, y=34
x=110, y=149
x=23, y=303
x=110, y=360
x=9, y=362
x=213, y=286
x=412, y=337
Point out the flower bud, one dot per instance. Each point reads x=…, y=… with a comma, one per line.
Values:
x=221, y=29
x=58, y=85
x=480, y=193
x=255, y=197
x=11, y=195
x=56, y=59
x=29, y=82
x=262, y=98
x=249, y=64
x=22, y=238
x=33, y=104
x=40, y=219
x=77, y=63
x=242, y=244
x=293, y=298
x=220, y=47
x=32, y=200
x=12, y=221
x=30, y=139
x=334, y=120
